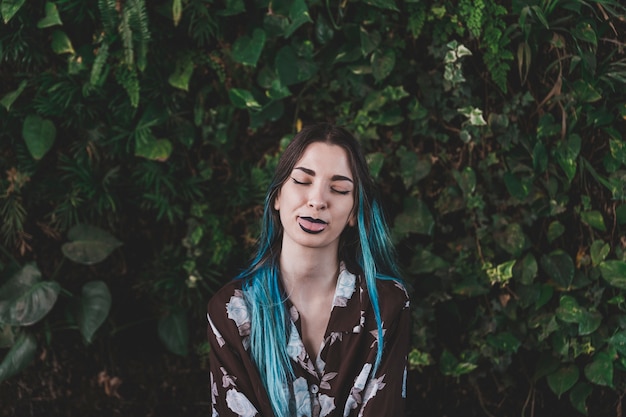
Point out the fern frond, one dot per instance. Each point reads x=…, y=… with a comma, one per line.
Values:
x=108, y=15
x=96, y=77
x=138, y=21
x=127, y=78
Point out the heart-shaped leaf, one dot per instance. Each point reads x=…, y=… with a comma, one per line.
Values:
x=10, y=97
x=173, y=331
x=578, y=396
x=182, y=73
x=51, y=18
x=93, y=309
x=19, y=357
x=563, y=379
x=8, y=8
x=560, y=268
x=600, y=371
x=152, y=148
x=61, y=43
x=24, y=299
x=89, y=244
x=247, y=50
x=383, y=63
x=614, y=272
x=39, y=135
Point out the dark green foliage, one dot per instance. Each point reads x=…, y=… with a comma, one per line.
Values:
x=494, y=129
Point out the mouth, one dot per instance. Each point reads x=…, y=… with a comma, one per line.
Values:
x=311, y=225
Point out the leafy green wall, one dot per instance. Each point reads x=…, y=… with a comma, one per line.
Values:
x=494, y=129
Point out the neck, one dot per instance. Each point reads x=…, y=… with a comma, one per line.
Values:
x=308, y=272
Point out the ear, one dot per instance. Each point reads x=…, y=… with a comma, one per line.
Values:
x=277, y=202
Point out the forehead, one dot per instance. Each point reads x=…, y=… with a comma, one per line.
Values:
x=321, y=156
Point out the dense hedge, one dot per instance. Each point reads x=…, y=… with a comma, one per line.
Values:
x=137, y=140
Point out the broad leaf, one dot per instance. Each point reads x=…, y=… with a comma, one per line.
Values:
x=291, y=68
x=177, y=11
x=39, y=135
x=9, y=8
x=589, y=323
x=383, y=63
x=61, y=43
x=182, y=72
x=578, y=396
x=614, y=272
x=298, y=15
x=599, y=251
x=512, y=239
x=51, y=18
x=415, y=218
x=375, y=163
x=369, y=41
x=243, y=99
x=525, y=270
x=560, y=267
x=515, y=186
x=618, y=341
x=505, y=342
x=24, y=299
x=555, y=230
x=247, y=50
x=89, y=244
x=173, y=331
x=93, y=309
x=152, y=148
x=19, y=357
x=10, y=97
x=563, y=379
x=594, y=219
x=540, y=158
x=600, y=371
x=383, y=4
x=569, y=310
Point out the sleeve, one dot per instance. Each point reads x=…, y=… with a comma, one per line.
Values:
x=385, y=393
x=236, y=387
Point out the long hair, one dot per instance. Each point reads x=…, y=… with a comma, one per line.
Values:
x=365, y=249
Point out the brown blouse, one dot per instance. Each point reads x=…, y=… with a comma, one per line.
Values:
x=339, y=382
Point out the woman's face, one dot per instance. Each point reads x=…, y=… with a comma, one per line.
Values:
x=316, y=202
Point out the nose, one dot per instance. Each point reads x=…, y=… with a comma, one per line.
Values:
x=317, y=199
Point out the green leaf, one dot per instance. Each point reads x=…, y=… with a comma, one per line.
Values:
x=39, y=135
x=61, y=44
x=526, y=269
x=383, y=63
x=7, y=339
x=614, y=272
x=599, y=251
x=594, y=219
x=578, y=396
x=589, y=323
x=555, y=230
x=415, y=218
x=618, y=341
x=247, y=50
x=412, y=168
x=173, y=331
x=383, y=4
x=466, y=180
x=546, y=365
x=177, y=11
x=89, y=244
x=512, y=239
x=369, y=41
x=10, y=97
x=424, y=262
x=9, y=8
x=540, y=158
x=569, y=310
x=24, y=299
x=243, y=99
x=298, y=15
x=95, y=303
x=515, y=187
x=19, y=357
x=152, y=148
x=584, y=31
x=600, y=371
x=504, y=342
x=182, y=72
x=375, y=162
x=563, y=379
x=291, y=68
x=560, y=268
x=324, y=32
x=51, y=18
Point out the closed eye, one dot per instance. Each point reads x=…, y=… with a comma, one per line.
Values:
x=340, y=192
x=298, y=182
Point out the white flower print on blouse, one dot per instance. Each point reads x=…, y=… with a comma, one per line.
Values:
x=327, y=404
x=344, y=289
x=302, y=397
x=239, y=404
x=220, y=339
x=295, y=347
x=238, y=312
x=355, y=398
x=372, y=388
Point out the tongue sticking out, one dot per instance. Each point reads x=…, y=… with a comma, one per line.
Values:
x=313, y=226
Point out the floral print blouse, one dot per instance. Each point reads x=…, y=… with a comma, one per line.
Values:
x=339, y=382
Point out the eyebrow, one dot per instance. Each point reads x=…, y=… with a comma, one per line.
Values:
x=333, y=178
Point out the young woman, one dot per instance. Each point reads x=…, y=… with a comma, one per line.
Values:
x=318, y=325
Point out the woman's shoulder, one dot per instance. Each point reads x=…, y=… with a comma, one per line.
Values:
x=225, y=295
x=392, y=292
